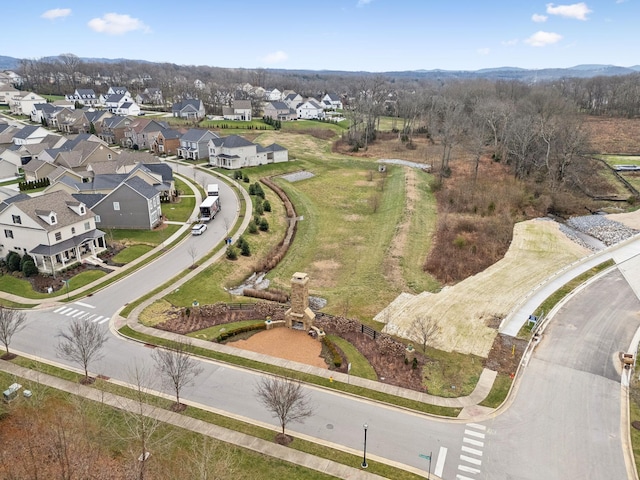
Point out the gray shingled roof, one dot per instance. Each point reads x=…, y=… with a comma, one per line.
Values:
x=197, y=134
x=52, y=202
x=142, y=187
x=89, y=199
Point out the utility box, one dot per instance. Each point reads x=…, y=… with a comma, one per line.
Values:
x=11, y=392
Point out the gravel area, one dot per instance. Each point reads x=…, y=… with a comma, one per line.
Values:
x=583, y=230
x=297, y=176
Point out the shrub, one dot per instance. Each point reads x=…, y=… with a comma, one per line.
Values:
x=259, y=208
x=336, y=358
x=266, y=206
x=13, y=261
x=245, y=250
x=460, y=241
x=252, y=189
x=252, y=227
x=414, y=363
x=232, y=252
x=236, y=331
x=264, y=225
x=245, y=179
x=29, y=268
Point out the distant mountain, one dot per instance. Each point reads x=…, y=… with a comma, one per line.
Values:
x=500, y=73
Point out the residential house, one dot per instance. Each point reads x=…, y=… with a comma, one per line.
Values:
x=293, y=99
x=194, y=144
x=239, y=110
x=331, y=101
x=199, y=84
x=6, y=93
x=121, y=104
x=273, y=95
x=6, y=133
x=54, y=228
x=42, y=113
x=9, y=77
x=279, y=111
x=166, y=142
x=70, y=121
x=142, y=132
x=78, y=153
x=152, y=96
x=22, y=103
x=310, y=110
x=191, y=109
x=235, y=152
x=83, y=96
x=112, y=129
x=132, y=204
x=30, y=134
x=21, y=155
x=118, y=91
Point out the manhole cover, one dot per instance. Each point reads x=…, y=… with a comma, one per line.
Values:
x=329, y=426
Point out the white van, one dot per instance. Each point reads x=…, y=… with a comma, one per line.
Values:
x=212, y=190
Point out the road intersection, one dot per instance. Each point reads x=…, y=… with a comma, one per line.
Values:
x=563, y=419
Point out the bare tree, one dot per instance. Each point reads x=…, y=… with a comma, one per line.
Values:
x=177, y=368
x=211, y=460
x=193, y=253
x=82, y=343
x=141, y=427
x=11, y=322
x=424, y=330
x=285, y=399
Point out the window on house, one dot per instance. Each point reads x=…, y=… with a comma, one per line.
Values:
x=16, y=218
x=53, y=220
x=116, y=206
x=97, y=219
x=87, y=225
x=109, y=156
x=82, y=210
x=58, y=236
x=8, y=233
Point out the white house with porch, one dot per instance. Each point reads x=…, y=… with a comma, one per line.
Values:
x=54, y=228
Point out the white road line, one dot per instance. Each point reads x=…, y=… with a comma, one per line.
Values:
x=73, y=310
x=59, y=309
x=91, y=316
x=471, y=433
x=462, y=477
x=466, y=469
x=476, y=425
x=475, y=461
x=106, y=319
x=97, y=319
x=477, y=443
x=79, y=312
x=84, y=304
x=475, y=451
x=64, y=310
x=442, y=456
x=83, y=315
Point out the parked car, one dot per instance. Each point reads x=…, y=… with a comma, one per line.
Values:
x=198, y=229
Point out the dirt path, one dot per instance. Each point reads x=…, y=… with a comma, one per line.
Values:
x=284, y=343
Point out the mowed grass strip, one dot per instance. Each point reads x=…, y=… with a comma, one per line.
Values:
x=360, y=366
x=153, y=237
x=180, y=211
x=213, y=332
x=129, y=254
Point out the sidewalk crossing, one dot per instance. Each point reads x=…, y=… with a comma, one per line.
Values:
x=471, y=456
x=81, y=314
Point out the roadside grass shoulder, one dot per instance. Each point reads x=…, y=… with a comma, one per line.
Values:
x=451, y=374
x=154, y=237
x=499, y=391
x=180, y=211
x=360, y=366
x=213, y=332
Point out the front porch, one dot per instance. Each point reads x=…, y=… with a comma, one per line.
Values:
x=53, y=258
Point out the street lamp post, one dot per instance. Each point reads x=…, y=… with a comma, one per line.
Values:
x=67, y=284
x=364, y=457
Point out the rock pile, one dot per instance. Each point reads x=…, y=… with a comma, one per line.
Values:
x=600, y=227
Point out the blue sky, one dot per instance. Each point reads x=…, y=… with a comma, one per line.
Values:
x=353, y=35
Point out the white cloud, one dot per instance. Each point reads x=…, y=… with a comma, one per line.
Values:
x=510, y=43
x=579, y=11
x=484, y=51
x=275, y=57
x=56, y=13
x=117, y=24
x=536, y=17
x=362, y=3
x=542, y=39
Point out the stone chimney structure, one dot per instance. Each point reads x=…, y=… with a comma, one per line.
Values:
x=299, y=316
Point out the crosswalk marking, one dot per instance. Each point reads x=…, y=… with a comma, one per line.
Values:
x=471, y=441
x=78, y=313
x=84, y=304
x=462, y=477
x=475, y=451
x=466, y=469
x=474, y=434
x=59, y=309
x=475, y=461
x=477, y=426
x=442, y=455
x=71, y=312
x=106, y=319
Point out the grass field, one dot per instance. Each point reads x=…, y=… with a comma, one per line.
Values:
x=153, y=238
x=129, y=254
x=213, y=332
x=179, y=211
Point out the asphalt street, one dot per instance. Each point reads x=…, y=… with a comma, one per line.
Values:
x=563, y=422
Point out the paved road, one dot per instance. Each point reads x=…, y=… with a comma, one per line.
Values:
x=569, y=392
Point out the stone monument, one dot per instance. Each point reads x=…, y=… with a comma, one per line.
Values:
x=299, y=316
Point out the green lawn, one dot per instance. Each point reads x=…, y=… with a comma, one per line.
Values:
x=129, y=254
x=20, y=287
x=499, y=391
x=360, y=367
x=451, y=374
x=150, y=237
x=180, y=211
